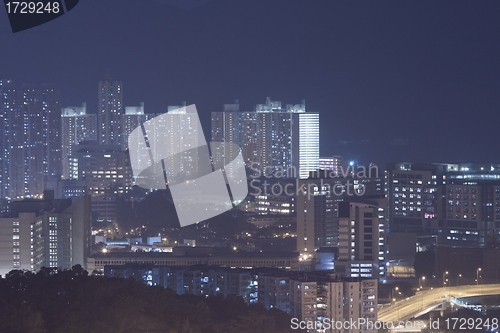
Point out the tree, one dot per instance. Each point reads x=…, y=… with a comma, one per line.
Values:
x=58, y=301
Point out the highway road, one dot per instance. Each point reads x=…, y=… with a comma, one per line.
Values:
x=408, y=307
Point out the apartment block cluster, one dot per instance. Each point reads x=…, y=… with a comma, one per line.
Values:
x=349, y=221
x=357, y=221
x=309, y=297
x=273, y=138
x=67, y=149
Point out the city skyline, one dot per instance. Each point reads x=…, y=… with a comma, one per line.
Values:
x=387, y=79
x=359, y=152
x=273, y=138
x=331, y=161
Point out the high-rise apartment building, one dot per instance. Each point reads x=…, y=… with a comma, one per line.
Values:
x=273, y=139
x=134, y=116
x=317, y=204
x=50, y=106
x=48, y=232
x=30, y=139
x=3, y=141
x=110, y=102
x=175, y=144
x=106, y=170
x=176, y=136
x=317, y=225
x=325, y=222
x=358, y=230
x=180, y=129
x=77, y=126
x=331, y=301
x=361, y=238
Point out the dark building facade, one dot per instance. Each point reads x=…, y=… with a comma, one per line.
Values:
x=110, y=102
x=106, y=172
x=465, y=265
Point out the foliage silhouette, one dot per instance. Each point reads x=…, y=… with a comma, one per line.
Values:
x=58, y=301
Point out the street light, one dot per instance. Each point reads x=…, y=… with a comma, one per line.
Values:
x=392, y=293
x=477, y=276
x=420, y=284
x=444, y=282
x=421, y=292
x=459, y=276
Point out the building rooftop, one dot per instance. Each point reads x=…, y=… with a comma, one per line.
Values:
x=204, y=253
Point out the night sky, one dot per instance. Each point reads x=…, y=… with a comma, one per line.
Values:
x=426, y=73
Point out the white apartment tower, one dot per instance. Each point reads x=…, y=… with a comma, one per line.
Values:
x=134, y=116
x=334, y=303
x=183, y=135
x=272, y=138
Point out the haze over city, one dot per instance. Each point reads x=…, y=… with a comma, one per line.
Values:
x=402, y=76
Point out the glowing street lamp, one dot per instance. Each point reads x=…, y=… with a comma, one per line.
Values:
x=422, y=300
x=392, y=292
x=420, y=284
x=444, y=281
x=477, y=276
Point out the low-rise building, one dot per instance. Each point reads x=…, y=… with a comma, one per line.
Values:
x=205, y=256
x=45, y=232
x=309, y=297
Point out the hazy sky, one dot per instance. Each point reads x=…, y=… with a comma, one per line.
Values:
x=426, y=71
